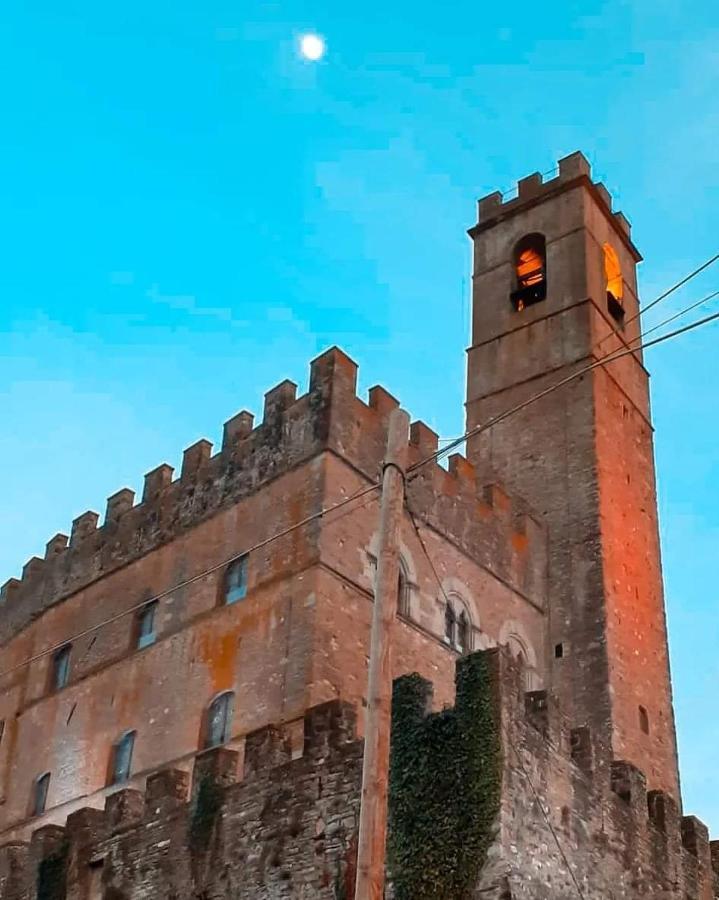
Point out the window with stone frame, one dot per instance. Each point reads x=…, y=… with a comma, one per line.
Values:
x=530, y=271
x=40, y=789
x=60, y=670
x=235, y=581
x=146, y=634
x=122, y=758
x=403, y=591
x=450, y=624
x=457, y=625
x=219, y=720
x=464, y=632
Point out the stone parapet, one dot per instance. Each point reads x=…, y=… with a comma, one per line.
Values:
x=329, y=417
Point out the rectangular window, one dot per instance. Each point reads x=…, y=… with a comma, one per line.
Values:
x=61, y=667
x=41, y=787
x=146, y=626
x=122, y=761
x=236, y=581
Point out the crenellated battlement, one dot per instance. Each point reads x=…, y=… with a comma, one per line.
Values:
x=597, y=805
x=290, y=822
x=474, y=776
x=293, y=430
x=571, y=170
x=286, y=824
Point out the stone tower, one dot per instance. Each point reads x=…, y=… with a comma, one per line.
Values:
x=554, y=289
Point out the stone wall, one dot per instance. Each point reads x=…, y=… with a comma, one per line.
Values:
x=287, y=830
x=569, y=823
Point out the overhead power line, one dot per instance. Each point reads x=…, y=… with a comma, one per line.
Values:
x=526, y=775
x=675, y=287
x=494, y=420
x=188, y=581
x=363, y=491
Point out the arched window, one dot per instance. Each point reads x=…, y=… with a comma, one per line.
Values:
x=403, y=604
x=219, y=719
x=122, y=758
x=235, y=584
x=450, y=624
x=517, y=649
x=615, y=283
x=530, y=271
x=40, y=788
x=61, y=667
x=464, y=633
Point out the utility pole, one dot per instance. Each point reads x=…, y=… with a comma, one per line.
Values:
x=375, y=772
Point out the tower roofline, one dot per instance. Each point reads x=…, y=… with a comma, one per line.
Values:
x=573, y=170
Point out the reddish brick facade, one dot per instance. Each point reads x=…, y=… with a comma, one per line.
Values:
x=299, y=637
x=545, y=539
x=582, y=455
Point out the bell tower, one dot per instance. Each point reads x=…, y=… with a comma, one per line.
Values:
x=554, y=290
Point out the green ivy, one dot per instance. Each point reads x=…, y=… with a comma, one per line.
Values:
x=204, y=813
x=444, y=788
x=51, y=884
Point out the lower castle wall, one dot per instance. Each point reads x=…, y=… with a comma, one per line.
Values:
x=620, y=842
x=288, y=829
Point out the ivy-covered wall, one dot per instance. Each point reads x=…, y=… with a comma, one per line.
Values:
x=445, y=781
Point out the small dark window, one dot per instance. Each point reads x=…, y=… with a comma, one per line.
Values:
x=236, y=581
x=450, y=624
x=122, y=758
x=644, y=720
x=558, y=651
x=403, y=607
x=39, y=796
x=530, y=272
x=219, y=719
x=146, y=625
x=463, y=633
x=61, y=667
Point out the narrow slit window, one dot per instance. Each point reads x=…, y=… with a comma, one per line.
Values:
x=61, y=667
x=403, y=605
x=146, y=634
x=122, y=758
x=450, y=624
x=219, y=720
x=644, y=720
x=41, y=787
x=236, y=581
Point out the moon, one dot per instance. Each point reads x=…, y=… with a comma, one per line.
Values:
x=312, y=47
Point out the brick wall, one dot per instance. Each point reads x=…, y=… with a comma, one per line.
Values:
x=300, y=636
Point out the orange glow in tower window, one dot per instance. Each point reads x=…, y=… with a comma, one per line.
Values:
x=530, y=268
x=613, y=273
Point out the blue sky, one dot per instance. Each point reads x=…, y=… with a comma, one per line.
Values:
x=190, y=213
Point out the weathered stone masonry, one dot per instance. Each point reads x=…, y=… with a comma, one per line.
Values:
x=299, y=638
x=288, y=828
x=554, y=774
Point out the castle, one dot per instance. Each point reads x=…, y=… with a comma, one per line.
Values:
x=182, y=687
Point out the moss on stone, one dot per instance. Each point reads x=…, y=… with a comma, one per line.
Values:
x=445, y=778
x=51, y=881
x=206, y=808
